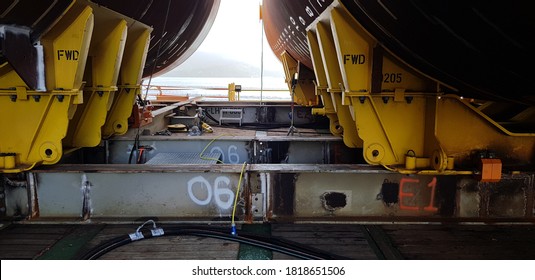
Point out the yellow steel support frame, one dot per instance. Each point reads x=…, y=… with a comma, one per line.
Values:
x=104, y=61
x=326, y=62
x=322, y=87
x=134, y=57
x=32, y=124
x=304, y=89
x=36, y=126
x=400, y=113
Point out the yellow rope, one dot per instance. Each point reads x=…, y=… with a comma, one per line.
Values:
x=206, y=147
x=238, y=192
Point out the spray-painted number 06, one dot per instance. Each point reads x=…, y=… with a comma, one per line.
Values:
x=233, y=156
x=220, y=192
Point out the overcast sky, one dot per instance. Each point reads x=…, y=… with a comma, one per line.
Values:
x=236, y=33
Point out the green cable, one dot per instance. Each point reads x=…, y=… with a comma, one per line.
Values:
x=207, y=158
x=233, y=225
x=239, y=181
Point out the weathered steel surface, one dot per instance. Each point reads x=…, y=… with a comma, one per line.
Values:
x=131, y=195
x=184, y=158
x=233, y=151
x=269, y=114
x=270, y=192
x=238, y=149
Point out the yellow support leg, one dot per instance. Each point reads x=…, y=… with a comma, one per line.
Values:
x=105, y=57
x=304, y=89
x=329, y=62
x=137, y=44
x=33, y=124
x=322, y=86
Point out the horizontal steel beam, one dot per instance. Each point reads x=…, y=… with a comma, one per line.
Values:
x=269, y=192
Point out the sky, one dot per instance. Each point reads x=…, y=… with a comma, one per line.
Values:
x=237, y=34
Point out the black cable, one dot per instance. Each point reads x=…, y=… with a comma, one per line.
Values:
x=143, y=101
x=134, y=147
x=266, y=242
x=211, y=117
x=159, y=48
x=260, y=126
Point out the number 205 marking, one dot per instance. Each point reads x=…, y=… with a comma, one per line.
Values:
x=392, y=78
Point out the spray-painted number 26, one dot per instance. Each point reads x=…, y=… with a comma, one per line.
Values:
x=233, y=156
x=219, y=192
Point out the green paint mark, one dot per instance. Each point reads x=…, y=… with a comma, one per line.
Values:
x=249, y=252
x=70, y=245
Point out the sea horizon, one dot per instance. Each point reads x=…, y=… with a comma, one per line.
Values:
x=253, y=88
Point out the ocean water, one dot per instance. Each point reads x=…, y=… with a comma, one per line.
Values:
x=272, y=89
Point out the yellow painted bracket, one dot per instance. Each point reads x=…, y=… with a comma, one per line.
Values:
x=105, y=57
x=66, y=47
x=326, y=61
x=322, y=86
x=135, y=53
x=33, y=124
x=304, y=89
x=385, y=121
x=397, y=109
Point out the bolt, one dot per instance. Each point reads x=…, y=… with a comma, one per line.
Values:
x=409, y=99
x=385, y=99
x=362, y=99
x=375, y=153
x=48, y=152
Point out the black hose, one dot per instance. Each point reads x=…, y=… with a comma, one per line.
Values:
x=134, y=147
x=266, y=242
x=210, y=117
x=259, y=126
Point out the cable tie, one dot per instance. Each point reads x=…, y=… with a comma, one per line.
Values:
x=157, y=232
x=148, y=221
x=136, y=236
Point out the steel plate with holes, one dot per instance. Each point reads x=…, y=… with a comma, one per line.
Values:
x=185, y=158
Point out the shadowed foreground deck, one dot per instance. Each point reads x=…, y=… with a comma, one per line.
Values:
x=53, y=241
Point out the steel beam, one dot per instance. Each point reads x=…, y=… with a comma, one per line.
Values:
x=271, y=192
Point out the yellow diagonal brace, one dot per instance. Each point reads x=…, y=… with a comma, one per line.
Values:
x=321, y=84
x=304, y=89
x=105, y=59
x=334, y=81
x=132, y=66
x=66, y=47
x=354, y=56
